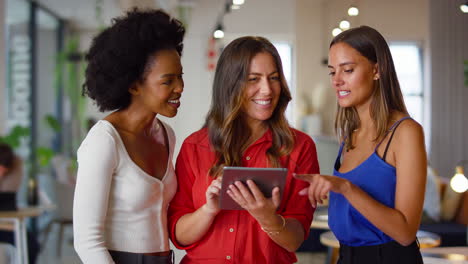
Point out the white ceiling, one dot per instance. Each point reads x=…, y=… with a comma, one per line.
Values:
x=82, y=14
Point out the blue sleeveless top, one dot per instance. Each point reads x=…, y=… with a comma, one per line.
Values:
x=378, y=179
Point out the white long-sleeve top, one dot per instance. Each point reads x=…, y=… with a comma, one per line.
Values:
x=117, y=205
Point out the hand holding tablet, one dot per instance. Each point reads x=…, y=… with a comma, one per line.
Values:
x=265, y=178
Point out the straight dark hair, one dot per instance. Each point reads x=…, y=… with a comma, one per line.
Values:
x=227, y=128
x=387, y=96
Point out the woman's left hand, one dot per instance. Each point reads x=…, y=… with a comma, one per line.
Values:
x=252, y=199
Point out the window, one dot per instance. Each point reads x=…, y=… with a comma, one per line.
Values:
x=285, y=52
x=18, y=71
x=32, y=36
x=408, y=65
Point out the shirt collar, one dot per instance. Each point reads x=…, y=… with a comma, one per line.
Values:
x=267, y=137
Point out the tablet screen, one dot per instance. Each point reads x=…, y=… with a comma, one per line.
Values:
x=265, y=178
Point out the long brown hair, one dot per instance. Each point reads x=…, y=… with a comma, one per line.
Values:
x=227, y=128
x=387, y=96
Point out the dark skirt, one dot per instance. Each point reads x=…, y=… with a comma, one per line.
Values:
x=121, y=257
x=388, y=253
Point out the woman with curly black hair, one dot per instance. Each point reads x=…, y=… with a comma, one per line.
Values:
x=125, y=173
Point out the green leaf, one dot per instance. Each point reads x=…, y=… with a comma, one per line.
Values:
x=74, y=164
x=14, y=137
x=53, y=123
x=466, y=72
x=44, y=155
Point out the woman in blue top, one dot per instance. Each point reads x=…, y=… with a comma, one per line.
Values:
x=377, y=191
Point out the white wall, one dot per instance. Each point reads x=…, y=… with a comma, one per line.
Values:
x=196, y=97
x=312, y=91
x=448, y=41
x=262, y=17
x=3, y=108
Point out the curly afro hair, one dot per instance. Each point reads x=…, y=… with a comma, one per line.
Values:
x=119, y=55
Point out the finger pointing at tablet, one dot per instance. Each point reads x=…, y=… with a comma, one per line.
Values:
x=320, y=185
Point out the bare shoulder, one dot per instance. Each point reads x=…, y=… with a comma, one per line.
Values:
x=409, y=129
x=409, y=139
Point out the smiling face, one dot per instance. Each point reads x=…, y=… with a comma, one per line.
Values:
x=262, y=90
x=352, y=75
x=162, y=86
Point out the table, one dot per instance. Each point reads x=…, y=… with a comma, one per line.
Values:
x=431, y=260
x=320, y=220
x=18, y=217
x=445, y=255
x=426, y=240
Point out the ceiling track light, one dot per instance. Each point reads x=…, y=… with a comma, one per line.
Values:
x=344, y=24
x=219, y=32
x=353, y=11
x=238, y=2
x=336, y=31
x=464, y=7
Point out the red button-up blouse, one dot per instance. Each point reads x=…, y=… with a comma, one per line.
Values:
x=235, y=236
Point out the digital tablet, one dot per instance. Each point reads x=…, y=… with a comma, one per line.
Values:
x=265, y=178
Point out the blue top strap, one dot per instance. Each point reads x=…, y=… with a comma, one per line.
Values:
x=391, y=128
x=399, y=121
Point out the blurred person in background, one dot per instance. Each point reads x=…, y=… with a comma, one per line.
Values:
x=11, y=176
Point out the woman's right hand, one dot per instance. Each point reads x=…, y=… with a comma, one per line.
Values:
x=321, y=185
x=191, y=227
x=212, y=196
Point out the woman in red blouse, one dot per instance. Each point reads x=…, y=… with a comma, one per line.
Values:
x=246, y=126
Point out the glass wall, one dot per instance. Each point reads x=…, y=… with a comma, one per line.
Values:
x=285, y=52
x=408, y=65
x=33, y=37
x=46, y=83
x=19, y=71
